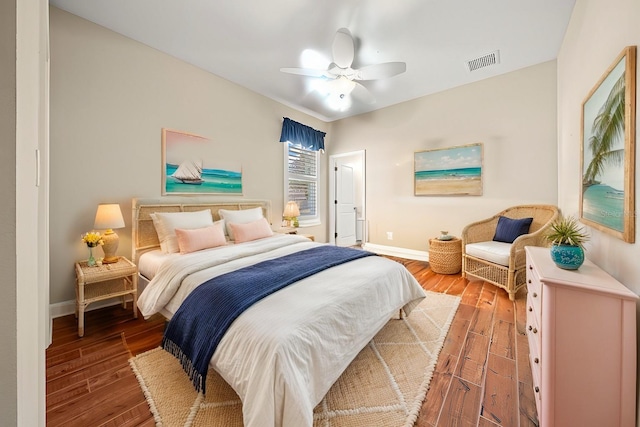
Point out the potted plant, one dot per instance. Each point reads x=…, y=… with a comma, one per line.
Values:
x=567, y=238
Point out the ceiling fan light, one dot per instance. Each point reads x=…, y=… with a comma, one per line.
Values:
x=342, y=86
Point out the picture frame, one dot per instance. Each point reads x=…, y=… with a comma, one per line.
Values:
x=190, y=166
x=607, y=196
x=449, y=171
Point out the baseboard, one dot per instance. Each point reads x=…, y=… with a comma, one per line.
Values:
x=65, y=308
x=397, y=252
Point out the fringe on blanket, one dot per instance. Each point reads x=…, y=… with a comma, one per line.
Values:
x=187, y=365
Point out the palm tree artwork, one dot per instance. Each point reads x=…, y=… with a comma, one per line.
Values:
x=607, y=129
x=604, y=151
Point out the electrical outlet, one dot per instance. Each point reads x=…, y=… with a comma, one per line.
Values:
x=389, y=235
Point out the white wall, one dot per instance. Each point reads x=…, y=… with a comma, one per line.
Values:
x=110, y=97
x=513, y=115
x=597, y=33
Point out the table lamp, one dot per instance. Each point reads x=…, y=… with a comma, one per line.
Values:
x=108, y=217
x=291, y=213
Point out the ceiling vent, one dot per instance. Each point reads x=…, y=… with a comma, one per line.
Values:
x=484, y=61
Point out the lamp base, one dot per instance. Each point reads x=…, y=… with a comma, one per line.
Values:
x=110, y=246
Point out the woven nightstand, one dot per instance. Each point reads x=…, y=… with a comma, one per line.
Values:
x=445, y=256
x=106, y=281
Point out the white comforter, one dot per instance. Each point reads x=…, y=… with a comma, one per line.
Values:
x=283, y=354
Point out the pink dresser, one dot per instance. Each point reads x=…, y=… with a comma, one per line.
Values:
x=581, y=327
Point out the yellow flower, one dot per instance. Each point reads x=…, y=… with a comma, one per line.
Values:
x=92, y=239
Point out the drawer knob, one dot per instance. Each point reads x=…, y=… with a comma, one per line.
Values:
x=529, y=280
x=530, y=267
x=537, y=389
x=530, y=308
x=535, y=294
x=536, y=360
x=535, y=330
x=530, y=327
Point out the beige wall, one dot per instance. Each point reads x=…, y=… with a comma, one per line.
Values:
x=597, y=33
x=23, y=307
x=513, y=115
x=110, y=97
x=8, y=315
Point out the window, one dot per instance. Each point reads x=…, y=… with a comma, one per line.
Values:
x=301, y=182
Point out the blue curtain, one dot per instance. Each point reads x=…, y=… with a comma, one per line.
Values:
x=302, y=135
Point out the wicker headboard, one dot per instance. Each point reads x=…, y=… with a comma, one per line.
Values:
x=144, y=234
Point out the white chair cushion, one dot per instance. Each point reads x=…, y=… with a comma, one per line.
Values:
x=496, y=252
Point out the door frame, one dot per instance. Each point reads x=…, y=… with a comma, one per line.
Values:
x=360, y=156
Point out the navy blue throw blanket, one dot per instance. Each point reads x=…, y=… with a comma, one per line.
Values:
x=196, y=329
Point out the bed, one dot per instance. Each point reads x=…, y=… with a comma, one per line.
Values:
x=283, y=353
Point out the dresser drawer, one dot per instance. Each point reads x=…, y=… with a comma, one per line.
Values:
x=536, y=376
x=585, y=316
x=534, y=292
x=534, y=332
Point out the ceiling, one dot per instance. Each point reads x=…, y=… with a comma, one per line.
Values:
x=248, y=41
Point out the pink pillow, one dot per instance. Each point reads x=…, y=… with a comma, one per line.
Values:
x=251, y=230
x=191, y=240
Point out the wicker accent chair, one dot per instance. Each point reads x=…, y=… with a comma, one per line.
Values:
x=512, y=275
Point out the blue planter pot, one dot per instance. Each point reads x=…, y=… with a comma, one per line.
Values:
x=567, y=257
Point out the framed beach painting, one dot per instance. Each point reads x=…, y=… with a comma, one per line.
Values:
x=190, y=165
x=607, y=199
x=449, y=171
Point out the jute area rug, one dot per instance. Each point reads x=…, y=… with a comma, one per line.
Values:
x=385, y=385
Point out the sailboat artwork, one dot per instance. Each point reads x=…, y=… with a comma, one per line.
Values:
x=192, y=164
x=189, y=172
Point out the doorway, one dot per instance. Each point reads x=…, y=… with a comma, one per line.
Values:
x=347, y=213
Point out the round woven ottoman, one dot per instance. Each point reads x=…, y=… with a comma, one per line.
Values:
x=445, y=256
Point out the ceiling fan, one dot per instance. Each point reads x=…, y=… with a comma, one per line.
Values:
x=342, y=78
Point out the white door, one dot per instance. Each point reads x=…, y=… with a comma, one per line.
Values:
x=345, y=205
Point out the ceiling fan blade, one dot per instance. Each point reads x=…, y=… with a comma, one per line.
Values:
x=343, y=48
x=381, y=71
x=362, y=94
x=305, y=72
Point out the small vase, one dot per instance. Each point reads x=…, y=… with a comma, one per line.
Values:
x=567, y=257
x=444, y=235
x=91, y=262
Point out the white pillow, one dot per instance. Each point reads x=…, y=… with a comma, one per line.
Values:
x=167, y=222
x=239, y=217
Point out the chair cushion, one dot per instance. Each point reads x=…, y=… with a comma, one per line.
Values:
x=509, y=229
x=496, y=252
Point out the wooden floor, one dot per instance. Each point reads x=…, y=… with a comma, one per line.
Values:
x=482, y=378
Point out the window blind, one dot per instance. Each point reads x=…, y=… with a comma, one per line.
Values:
x=302, y=180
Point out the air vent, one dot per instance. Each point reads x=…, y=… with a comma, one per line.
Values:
x=484, y=61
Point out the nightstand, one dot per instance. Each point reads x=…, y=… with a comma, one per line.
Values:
x=93, y=284
x=445, y=256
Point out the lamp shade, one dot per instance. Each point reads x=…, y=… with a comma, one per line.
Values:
x=291, y=210
x=108, y=216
